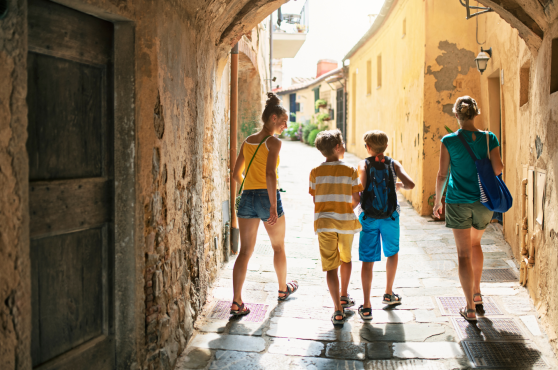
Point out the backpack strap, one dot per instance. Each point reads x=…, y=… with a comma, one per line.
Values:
x=466, y=145
x=487, y=144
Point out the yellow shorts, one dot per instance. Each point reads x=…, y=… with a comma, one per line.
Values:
x=335, y=248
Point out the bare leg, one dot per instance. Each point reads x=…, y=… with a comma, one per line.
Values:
x=366, y=277
x=248, y=233
x=464, y=254
x=391, y=270
x=345, y=269
x=333, y=285
x=478, y=259
x=277, y=236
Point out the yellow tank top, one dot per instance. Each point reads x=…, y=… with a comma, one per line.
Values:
x=256, y=174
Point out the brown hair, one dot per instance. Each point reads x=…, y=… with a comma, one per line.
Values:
x=376, y=140
x=326, y=141
x=272, y=106
x=466, y=108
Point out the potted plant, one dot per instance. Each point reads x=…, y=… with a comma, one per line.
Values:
x=321, y=103
x=300, y=28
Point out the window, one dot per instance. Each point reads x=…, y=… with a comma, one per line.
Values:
x=369, y=77
x=524, y=82
x=404, y=27
x=353, y=110
x=554, y=67
x=379, y=66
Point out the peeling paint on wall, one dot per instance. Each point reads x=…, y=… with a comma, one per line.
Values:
x=448, y=109
x=538, y=146
x=453, y=62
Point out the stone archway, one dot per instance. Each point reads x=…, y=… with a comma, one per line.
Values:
x=249, y=97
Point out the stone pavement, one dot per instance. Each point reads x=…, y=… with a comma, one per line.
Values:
x=419, y=334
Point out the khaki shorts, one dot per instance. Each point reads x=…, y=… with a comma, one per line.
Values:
x=467, y=215
x=335, y=248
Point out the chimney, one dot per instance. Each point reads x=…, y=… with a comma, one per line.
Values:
x=326, y=65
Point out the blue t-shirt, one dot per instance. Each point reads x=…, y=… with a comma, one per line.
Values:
x=463, y=184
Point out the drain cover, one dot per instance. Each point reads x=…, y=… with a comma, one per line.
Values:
x=263, y=248
x=221, y=311
x=498, y=275
x=488, y=329
x=450, y=306
x=503, y=354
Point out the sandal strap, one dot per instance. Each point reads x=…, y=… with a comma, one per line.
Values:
x=365, y=309
x=240, y=306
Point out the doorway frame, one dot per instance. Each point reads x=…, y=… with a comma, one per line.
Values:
x=126, y=257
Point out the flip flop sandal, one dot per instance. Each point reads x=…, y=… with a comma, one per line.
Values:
x=477, y=295
x=392, y=299
x=291, y=288
x=362, y=311
x=338, y=322
x=349, y=300
x=464, y=312
x=241, y=311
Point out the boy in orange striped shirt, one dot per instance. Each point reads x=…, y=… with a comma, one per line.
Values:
x=335, y=186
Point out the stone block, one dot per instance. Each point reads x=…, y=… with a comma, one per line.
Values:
x=399, y=332
x=295, y=347
x=347, y=351
x=229, y=342
x=426, y=316
x=429, y=350
x=196, y=358
x=157, y=283
x=213, y=326
x=379, y=351
x=531, y=323
x=246, y=328
x=308, y=329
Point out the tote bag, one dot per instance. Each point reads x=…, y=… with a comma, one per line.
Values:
x=494, y=193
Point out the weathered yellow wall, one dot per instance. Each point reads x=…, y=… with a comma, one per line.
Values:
x=396, y=106
x=450, y=72
x=306, y=99
x=521, y=126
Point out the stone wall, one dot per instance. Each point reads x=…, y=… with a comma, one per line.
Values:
x=181, y=126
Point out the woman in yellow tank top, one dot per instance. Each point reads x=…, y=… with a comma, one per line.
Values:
x=261, y=201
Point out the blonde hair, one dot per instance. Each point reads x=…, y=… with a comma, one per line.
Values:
x=466, y=108
x=326, y=141
x=376, y=140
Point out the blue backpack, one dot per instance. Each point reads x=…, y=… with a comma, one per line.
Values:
x=379, y=199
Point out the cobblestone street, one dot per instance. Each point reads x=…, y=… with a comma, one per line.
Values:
x=425, y=332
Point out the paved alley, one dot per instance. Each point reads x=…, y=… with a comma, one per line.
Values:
x=425, y=332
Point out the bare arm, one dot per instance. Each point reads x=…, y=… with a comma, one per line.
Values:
x=274, y=147
x=239, y=166
x=496, y=161
x=408, y=183
x=362, y=176
x=356, y=199
x=441, y=179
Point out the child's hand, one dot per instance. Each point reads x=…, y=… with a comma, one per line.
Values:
x=399, y=185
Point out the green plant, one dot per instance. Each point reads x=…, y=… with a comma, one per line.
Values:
x=306, y=130
x=320, y=103
x=323, y=117
x=292, y=130
x=312, y=137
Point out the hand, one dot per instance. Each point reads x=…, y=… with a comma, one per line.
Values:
x=437, y=210
x=399, y=185
x=272, y=220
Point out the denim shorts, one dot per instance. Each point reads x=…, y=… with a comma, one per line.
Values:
x=255, y=204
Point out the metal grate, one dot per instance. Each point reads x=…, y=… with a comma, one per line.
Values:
x=488, y=329
x=221, y=311
x=522, y=355
x=450, y=306
x=263, y=248
x=498, y=275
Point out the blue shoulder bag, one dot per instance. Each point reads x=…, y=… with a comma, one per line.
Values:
x=494, y=193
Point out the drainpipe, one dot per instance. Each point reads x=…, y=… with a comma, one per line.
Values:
x=234, y=125
x=271, y=52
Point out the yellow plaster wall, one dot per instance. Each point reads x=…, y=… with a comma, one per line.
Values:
x=306, y=99
x=396, y=106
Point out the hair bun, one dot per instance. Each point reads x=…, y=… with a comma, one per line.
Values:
x=464, y=108
x=272, y=99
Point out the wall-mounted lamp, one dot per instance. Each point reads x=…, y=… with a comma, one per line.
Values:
x=482, y=59
x=272, y=79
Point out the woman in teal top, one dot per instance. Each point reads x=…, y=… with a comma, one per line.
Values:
x=465, y=214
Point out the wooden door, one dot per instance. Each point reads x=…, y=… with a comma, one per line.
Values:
x=70, y=149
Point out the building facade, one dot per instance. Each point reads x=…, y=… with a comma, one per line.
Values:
x=404, y=76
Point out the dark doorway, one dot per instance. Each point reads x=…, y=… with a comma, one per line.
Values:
x=71, y=187
x=292, y=107
x=340, y=118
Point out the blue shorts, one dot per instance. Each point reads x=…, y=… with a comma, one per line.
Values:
x=369, y=249
x=255, y=204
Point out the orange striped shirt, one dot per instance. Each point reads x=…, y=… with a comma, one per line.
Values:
x=332, y=184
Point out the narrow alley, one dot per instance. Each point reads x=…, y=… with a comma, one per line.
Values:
x=425, y=332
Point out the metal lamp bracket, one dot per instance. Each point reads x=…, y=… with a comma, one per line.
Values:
x=468, y=7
